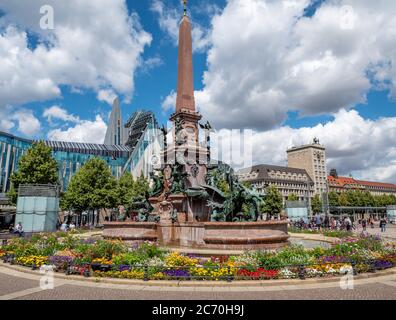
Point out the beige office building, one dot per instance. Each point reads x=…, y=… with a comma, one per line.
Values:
x=312, y=158
x=287, y=180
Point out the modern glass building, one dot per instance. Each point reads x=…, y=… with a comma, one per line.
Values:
x=132, y=153
x=11, y=149
x=70, y=156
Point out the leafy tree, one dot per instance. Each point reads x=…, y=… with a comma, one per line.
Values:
x=355, y=198
x=333, y=199
x=316, y=204
x=36, y=166
x=141, y=187
x=368, y=199
x=392, y=200
x=125, y=189
x=343, y=200
x=273, y=202
x=92, y=187
x=292, y=197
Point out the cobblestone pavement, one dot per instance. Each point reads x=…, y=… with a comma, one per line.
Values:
x=390, y=232
x=17, y=285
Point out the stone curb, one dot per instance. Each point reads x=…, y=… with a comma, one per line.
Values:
x=192, y=283
x=320, y=238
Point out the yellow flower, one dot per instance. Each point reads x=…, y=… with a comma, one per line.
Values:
x=102, y=261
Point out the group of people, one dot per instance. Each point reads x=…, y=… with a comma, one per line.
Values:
x=64, y=226
x=329, y=223
x=318, y=222
x=370, y=222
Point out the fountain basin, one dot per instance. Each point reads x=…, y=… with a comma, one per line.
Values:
x=210, y=235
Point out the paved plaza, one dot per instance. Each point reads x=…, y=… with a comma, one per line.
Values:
x=389, y=234
x=16, y=285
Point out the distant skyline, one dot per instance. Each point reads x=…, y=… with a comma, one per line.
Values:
x=290, y=70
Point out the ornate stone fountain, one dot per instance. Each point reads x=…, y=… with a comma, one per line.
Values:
x=185, y=207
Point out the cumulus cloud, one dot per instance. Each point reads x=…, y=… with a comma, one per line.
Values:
x=95, y=44
x=169, y=19
x=364, y=148
x=169, y=102
x=107, y=96
x=58, y=113
x=28, y=124
x=84, y=131
x=266, y=58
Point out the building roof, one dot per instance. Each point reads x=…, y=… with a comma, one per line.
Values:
x=306, y=146
x=343, y=181
x=90, y=148
x=264, y=169
x=377, y=184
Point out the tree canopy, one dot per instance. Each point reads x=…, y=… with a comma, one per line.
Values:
x=292, y=197
x=92, y=187
x=316, y=204
x=357, y=198
x=125, y=189
x=273, y=202
x=36, y=166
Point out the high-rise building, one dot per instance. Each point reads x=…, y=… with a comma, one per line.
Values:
x=115, y=134
x=312, y=158
x=136, y=125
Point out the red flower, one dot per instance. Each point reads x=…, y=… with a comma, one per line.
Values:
x=258, y=273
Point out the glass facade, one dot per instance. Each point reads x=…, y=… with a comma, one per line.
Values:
x=12, y=148
x=70, y=156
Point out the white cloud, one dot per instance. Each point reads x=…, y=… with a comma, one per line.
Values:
x=169, y=19
x=95, y=45
x=364, y=148
x=106, y=95
x=152, y=63
x=84, y=131
x=56, y=112
x=169, y=102
x=28, y=124
x=266, y=59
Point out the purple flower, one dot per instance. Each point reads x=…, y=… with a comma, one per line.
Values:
x=61, y=262
x=124, y=267
x=333, y=259
x=177, y=273
x=382, y=264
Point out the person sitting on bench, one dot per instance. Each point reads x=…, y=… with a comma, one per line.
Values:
x=19, y=230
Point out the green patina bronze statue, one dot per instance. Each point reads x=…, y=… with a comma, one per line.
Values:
x=158, y=185
x=178, y=185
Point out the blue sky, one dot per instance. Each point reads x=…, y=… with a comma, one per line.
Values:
x=153, y=85
x=288, y=70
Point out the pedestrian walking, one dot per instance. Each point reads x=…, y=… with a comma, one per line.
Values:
x=318, y=221
x=364, y=224
x=383, y=224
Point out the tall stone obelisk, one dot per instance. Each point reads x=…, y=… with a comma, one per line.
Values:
x=186, y=147
x=185, y=102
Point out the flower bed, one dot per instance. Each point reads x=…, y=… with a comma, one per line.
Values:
x=105, y=258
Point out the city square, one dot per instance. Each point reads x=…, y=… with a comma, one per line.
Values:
x=177, y=203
